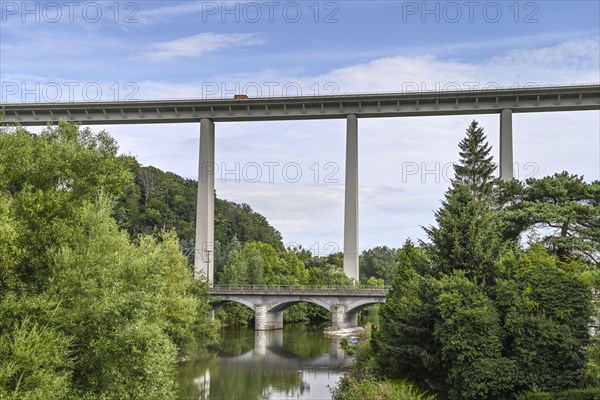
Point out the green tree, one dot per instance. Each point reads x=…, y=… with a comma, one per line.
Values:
x=562, y=210
x=84, y=312
x=373, y=282
x=378, y=262
x=235, y=271
x=49, y=174
x=443, y=334
x=467, y=328
x=327, y=271
x=475, y=169
x=257, y=263
x=34, y=362
x=240, y=220
x=547, y=310
x=164, y=201
x=10, y=252
x=466, y=237
x=404, y=344
x=474, y=317
x=73, y=161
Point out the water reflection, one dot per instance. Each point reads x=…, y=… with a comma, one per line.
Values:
x=297, y=362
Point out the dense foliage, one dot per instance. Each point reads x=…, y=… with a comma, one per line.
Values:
x=362, y=382
x=562, y=211
x=97, y=300
x=379, y=263
x=85, y=313
x=473, y=315
x=163, y=200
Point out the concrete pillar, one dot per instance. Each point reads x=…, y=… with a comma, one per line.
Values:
x=264, y=320
x=342, y=319
x=338, y=316
x=351, y=200
x=506, y=145
x=205, y=207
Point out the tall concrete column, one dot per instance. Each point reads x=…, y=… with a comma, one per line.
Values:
x=351, y=200
x=205, y=207
x=506, y=145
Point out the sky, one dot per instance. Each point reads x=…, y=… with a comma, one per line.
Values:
x=292, y=172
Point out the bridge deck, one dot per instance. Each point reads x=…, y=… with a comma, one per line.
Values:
x=458, y=102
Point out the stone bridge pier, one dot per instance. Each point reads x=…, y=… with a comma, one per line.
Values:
x=265, y=320
x=342, y=318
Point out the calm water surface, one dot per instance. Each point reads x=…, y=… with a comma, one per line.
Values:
x=297, y=362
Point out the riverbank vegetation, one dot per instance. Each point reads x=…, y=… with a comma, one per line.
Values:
x=497, y=303
x=86, y=311
x=362, y=381
x=97, y=298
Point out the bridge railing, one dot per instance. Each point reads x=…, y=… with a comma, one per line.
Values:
x=283, y=289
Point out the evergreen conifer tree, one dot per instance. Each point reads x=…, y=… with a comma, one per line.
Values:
x=475, y=168
x=466, y=237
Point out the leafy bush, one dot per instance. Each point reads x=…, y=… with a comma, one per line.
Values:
x=380, y=390
x=575, y=394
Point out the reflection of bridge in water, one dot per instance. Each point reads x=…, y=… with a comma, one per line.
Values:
x=278, y=363
x=269, y=351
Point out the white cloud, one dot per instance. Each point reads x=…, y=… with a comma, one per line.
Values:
x=393, y=202
x=198, y=45
x=568, y=62
x=150, y=15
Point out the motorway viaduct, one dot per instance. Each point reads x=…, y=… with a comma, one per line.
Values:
x=350, y=107
x=268, y=304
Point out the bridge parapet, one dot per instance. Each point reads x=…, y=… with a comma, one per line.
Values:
x=217, y=290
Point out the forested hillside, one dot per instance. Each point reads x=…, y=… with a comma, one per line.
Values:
x=165, y=201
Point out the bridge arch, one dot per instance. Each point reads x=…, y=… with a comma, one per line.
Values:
x=358, y=305
x=288, y=303
x=239, y=300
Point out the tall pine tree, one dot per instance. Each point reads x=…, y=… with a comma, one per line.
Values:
x=466, y=237
x=475, y=168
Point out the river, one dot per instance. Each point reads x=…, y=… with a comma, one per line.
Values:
x=297, y=362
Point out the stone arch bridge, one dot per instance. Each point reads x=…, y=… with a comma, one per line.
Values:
x=268, y=303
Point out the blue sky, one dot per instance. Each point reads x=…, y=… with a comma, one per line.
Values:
x=61, y=51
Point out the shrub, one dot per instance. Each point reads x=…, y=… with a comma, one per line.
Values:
x=574, y=394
